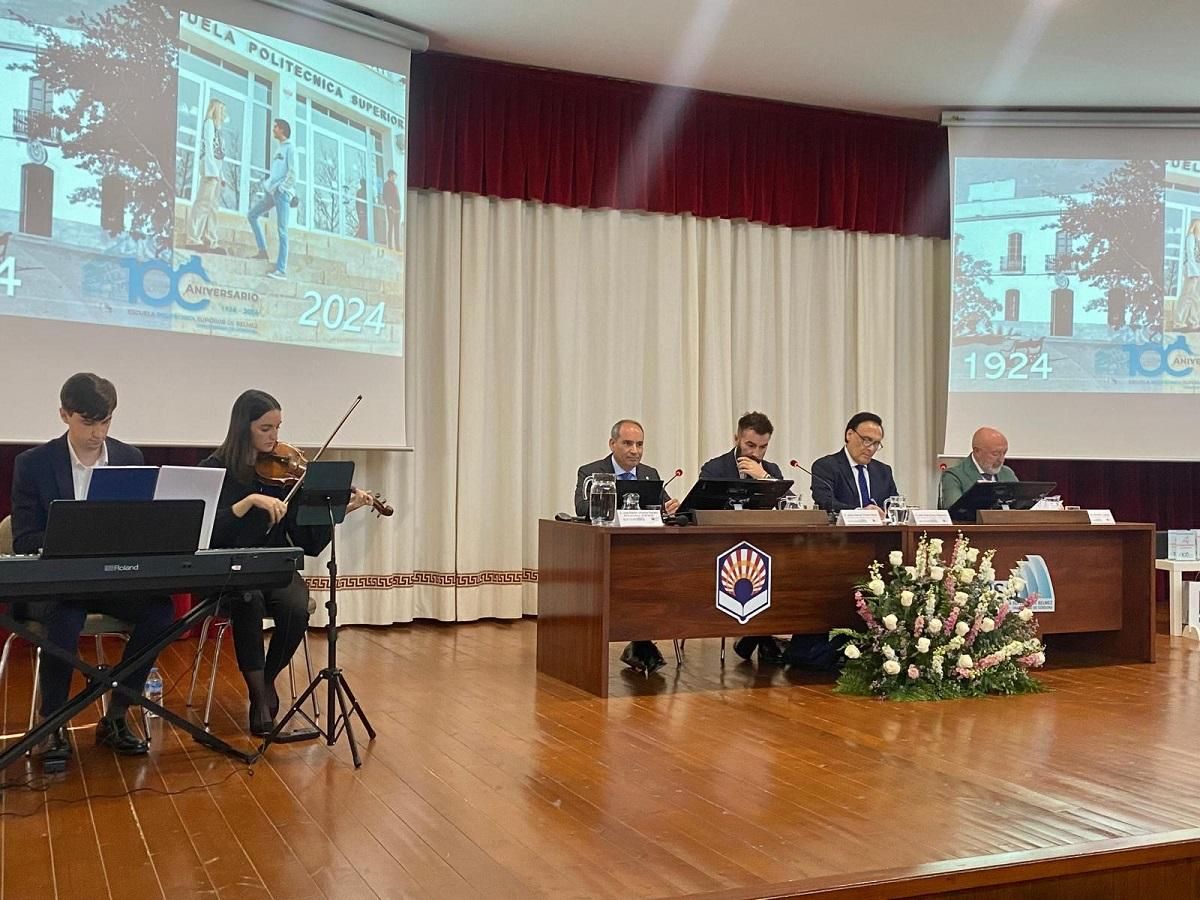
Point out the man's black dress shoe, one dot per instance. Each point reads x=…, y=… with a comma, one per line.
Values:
x=744, y=647
x=643, y=657
x=56, y=751
x=770, y=651
x=115, y=732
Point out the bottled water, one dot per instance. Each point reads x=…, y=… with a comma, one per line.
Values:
x=154, y=689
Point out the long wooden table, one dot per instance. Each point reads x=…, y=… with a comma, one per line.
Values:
x=601, y=584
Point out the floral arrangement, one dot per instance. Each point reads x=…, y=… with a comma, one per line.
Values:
x=938, y=629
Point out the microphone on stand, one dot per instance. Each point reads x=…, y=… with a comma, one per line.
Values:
x=795, y=464
x=678, y=472
x=941, y=470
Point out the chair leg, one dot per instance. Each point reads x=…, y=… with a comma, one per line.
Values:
x=212, y=678
x=722, y=651
x=100, y=660
x=8, y=642
x=678, y=653
x=308, y=668
x=33, y=694
x=199, y=657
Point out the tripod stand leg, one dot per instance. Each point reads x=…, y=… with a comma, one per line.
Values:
x=358, y=709
x=336, y=685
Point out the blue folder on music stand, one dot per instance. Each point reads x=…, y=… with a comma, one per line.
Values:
x=123, y=483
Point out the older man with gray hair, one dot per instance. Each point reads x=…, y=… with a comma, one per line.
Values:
x=626, y=442
x=986, y=463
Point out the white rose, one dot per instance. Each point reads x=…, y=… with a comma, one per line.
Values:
x=891, y=667
x=934, y=625
x=906, y=599
x=960, y=598
x=966, y=576
x=961, y=629
x=936, y=573
x=875, y=586
x=890, y=621
x=965, y=662
x=988, y=624
x=1025, y=615
x=852, y=652
x=895, y=558
x=1016, y=584
x=972, y=554
x=923, y=645
x=910, y=571
x=1039, y=658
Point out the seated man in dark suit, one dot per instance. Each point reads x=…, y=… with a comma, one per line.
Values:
x=747, y=460
x=626, y=442
x=61, y=470
x=986, y=463
x=851, y=478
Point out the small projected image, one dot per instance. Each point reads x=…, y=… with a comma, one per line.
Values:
x=88, y=156
x=1181, y=246
x=1058, y=268
x=289, y=190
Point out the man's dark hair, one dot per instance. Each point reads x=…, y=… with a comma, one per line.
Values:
x=858, y=418
x=391, y=172
x=756, y=422
x=284, y=127
x=89, y=395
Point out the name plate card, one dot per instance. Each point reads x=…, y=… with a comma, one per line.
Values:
x=929, y=517
x=639, y=518
x=859, y=517
x=1101, y=517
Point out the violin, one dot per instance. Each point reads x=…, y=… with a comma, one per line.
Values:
x=285, y=467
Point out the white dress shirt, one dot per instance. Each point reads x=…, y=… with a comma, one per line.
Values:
x=81, y=475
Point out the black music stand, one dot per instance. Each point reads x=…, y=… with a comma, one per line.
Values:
x=322, y=500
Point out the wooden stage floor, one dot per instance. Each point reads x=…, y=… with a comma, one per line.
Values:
x=488, y=781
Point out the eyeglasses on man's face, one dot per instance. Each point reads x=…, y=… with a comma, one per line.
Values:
x=868, y=443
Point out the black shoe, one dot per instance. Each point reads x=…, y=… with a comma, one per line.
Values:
x=262, y=722
x=651, y=658
x=56, y=751
x=744, y=647
x=770, y=651
x=115, y=732
x=630, y=657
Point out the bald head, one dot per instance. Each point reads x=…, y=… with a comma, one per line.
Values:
x=989, y=447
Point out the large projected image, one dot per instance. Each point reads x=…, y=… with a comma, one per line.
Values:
x=177, y=173
x=1065, y=272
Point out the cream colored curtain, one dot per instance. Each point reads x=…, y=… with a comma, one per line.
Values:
x=532, y=328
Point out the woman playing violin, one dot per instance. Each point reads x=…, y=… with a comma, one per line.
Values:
x=248, y=512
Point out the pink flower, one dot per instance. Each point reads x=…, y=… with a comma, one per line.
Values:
x=950, y=622
x=865, y=613
x=1001, y=613
x=918, y=626
x=950, y=583
x=858, y=595
x=914, y=673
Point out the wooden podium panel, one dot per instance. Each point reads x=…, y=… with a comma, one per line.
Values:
x=597, y=585
x=1103, y=577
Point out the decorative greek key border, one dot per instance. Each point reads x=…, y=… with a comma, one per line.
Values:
x=413, y=579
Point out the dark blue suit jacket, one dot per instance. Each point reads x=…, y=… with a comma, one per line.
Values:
x=42, y=474
x=725, y=466
x=835, y=484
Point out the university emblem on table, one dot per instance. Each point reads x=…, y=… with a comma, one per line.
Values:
x=743, y=582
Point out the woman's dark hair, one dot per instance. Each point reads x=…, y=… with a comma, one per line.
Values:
x=89, y=395
x=237, y=451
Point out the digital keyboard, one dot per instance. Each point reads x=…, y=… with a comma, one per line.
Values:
x=205, y=571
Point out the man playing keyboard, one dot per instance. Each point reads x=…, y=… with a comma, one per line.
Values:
x=61, y=470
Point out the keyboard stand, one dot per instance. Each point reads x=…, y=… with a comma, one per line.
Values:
x=108, y=678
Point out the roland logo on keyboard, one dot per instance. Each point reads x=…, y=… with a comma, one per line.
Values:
x=118, y=567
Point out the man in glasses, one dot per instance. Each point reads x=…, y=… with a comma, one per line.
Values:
x=986, y=463
x=852, y=478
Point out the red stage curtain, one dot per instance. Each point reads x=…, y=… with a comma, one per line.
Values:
x=516, y=132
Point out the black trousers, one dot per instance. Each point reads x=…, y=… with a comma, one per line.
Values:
x=288, y=606
x=63, y=621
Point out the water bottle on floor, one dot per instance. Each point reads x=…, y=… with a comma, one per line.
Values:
x=154, y=689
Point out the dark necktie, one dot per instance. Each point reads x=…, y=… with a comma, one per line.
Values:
x=863, y=490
